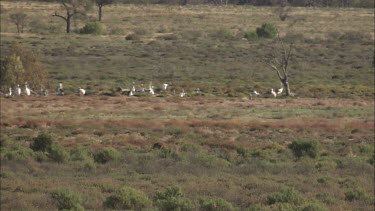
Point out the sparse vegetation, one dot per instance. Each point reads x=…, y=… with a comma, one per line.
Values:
x=223, y=148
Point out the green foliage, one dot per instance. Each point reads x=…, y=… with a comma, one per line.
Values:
x=250, y=35
x=79, y=154
x=19, y=19
x=354, y=194
x=127, y=198
x=315, y=207
x=20, y=66
x=216, y=204
x=43, y=142
x=255, y=207
x=92, y=28
x=222, y=34
x=287, y=195
x=58, y=154
x=172, y=199
x=16, y=152
x=267, y=30
x=105, y=155
x=67, y=199
x=302, y=148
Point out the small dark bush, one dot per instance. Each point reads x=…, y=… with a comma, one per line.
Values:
x=288, y=195
x=172, y=199
x=132, y=37
x=67, y=199
x=127, y=198
x=267, y=30
x=251, y=35
x=216, y=204
x=92, y=28
x=43, y=142
x=105, y=155
x=302, y=148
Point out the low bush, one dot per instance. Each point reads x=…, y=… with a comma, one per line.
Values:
x=105, y=155
x=172, y=199
x=302, y=148
x=288, y=195
x=58, y=154
x=315, y=207
x=354, y=194
x=267, y=30
x=67, y=199
x=92, y=28
x=43, y=142
x=251, y=35
x=127, y=198
x=216, y=204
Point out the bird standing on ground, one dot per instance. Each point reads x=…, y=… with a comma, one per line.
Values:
x=182, y=94
x=60, y=90
x=273, y=93
x=10, y=93
x=255, y=92
x=133, y=87
x=279, y=91
x=18, y=90
x=81, y=92
x=165, y=86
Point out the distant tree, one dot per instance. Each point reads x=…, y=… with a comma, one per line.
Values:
x=22, y=65
x=102, y=3
x=19, y=19
x=280, y=63
x=72, y=8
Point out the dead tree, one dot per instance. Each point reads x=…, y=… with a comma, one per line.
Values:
x=72, y=7
x=100, y=4
x=281, y=63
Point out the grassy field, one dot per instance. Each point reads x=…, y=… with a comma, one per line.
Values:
x=222, y=150
x=202, y=46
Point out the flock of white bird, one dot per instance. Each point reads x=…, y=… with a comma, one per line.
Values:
x=130, y=92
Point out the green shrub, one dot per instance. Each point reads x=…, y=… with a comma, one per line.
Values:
x=16, y=152
x=43, y=142
x=267, y=30
x=127, y=198
x=105, y=155
x=354, y=194
x=79, y=154
x=288, y=195
x=314, y=207
x=58, y=154
x=302, y=148
x=216, y=204
x=172, y=199
x=67, y=199
x=92, y=28
x=255, y=207
x=223, y=34
x=251, y=35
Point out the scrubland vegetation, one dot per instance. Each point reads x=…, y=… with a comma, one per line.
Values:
x=216, y=151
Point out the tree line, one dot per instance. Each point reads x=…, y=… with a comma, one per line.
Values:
x=295, y=3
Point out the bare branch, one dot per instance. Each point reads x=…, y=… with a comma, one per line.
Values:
x=57, y=15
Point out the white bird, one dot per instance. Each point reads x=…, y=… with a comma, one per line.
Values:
x=133, y=87
x=256, y=93
x=131, y=93
x=27, y=90
x=18, y=90
x=60, y=90
x=279, y=91
x=10, y=93
x=197, y=90
x=81, y=92
x=165, y=86
x=152, y=90
x=273, y=93
x=182, y=94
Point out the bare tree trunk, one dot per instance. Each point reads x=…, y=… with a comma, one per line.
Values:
x=100, y=12
x=286, y=87
x=18, y=28
x=68, y=24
